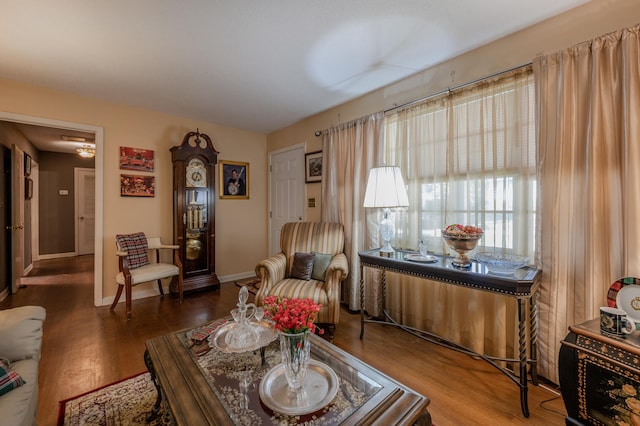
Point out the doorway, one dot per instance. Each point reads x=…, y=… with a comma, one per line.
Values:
x=287, y=194
x=99, y=184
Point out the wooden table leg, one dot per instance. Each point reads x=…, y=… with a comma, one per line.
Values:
x=156, y=407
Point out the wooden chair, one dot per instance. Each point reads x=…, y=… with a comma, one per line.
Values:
x=135, y=268
x=278, y=275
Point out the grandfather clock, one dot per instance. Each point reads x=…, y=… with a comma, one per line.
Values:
x=193, y=209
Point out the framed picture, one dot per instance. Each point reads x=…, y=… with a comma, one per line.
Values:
x=27, y=165
x=137, y=186
x=136, y=159
x=234, y=179
x=28, y=188
x=313, y=167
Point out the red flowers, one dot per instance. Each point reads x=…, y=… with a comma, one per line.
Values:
x=292, y=315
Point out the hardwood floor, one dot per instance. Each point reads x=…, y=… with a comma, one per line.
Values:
x=85, y=347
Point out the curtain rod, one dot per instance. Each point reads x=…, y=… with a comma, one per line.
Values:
x=460, y=86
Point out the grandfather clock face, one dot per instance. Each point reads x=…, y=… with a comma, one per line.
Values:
x=196, y=174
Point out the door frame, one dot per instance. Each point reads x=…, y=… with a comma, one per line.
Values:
x=99, y=167
x=303, y=193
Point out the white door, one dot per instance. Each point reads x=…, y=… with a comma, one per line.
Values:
x=286, y=193
x=85, y=184
x=17, y=216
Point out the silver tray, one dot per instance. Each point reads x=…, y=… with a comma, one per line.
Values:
x=418, y=258
x=266, y=335
x=318, y=390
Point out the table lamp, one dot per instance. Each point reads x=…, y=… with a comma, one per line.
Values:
x=385, y=189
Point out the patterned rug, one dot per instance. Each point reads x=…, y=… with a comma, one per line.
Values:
x=127, y=402
x=252, y=284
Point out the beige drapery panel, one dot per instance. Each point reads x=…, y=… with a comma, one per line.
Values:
x=589, y=173
x=348, y=152
x=457, y=153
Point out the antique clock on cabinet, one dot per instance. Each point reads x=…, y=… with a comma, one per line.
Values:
x=193, y=208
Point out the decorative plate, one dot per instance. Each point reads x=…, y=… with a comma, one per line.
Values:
x=419, y=258
x=615, y=288
x=319, y=389
x=628, y=299
x=266, y=335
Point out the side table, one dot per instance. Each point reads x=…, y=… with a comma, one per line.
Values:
x=600, y=376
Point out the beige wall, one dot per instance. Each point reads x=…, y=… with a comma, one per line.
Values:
x=584, y=23
x=241, y=234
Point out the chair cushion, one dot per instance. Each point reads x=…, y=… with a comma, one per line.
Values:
x=150, y=272
x=321, y=262
x=9, y=379
x=302, y=266
x=300, y=289
x=136, y=247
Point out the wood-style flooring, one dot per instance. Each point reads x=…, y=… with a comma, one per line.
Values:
x=85, y=347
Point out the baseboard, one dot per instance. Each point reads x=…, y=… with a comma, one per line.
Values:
x=56, y=255
x=4, y=294
x=234, y=277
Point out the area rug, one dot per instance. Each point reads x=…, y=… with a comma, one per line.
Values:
x=126, y=402
x=252, y=284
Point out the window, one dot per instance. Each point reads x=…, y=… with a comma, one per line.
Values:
x=469, y=158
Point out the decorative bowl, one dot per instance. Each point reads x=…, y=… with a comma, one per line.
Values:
x=501, y=263
x=461, y=244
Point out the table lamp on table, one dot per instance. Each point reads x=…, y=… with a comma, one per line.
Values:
x=386, y=189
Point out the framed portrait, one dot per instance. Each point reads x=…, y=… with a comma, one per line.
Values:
x=28, y=188
x=27, y=165
x=234, y=179
x=137, y=186
x=313, y=167
x=137, y=159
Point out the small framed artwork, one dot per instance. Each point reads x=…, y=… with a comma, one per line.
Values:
x=27, y=165
x=28, y=188
x=136, y=159
x=313, y=167
x=234, y=179
x=137, y=186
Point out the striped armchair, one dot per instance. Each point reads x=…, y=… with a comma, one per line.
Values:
x=307, y=237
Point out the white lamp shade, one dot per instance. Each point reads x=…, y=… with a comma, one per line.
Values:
x=385, y=188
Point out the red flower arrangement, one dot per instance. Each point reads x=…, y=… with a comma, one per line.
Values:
x=292, y=316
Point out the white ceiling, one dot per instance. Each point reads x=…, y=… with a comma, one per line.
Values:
x=251, y=64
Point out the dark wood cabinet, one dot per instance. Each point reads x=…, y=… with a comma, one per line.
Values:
x=600, y=376
x=194, y=198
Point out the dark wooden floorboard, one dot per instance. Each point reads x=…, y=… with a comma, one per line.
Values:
x=85, y=347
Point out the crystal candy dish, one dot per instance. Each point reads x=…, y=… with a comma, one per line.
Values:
x=501, y=263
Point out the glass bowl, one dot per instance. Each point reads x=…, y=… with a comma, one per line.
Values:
x=502, y=263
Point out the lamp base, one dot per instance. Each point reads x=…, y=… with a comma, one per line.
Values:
x=387, y=250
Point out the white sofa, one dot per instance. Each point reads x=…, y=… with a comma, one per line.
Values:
x=20, y=343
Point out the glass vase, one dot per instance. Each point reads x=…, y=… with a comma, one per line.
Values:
x=295, y=349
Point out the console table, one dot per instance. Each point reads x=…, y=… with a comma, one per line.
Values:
x=522, y=286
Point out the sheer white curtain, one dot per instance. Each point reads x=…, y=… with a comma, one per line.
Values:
x=467, y=157
x=348, y=152
x=589, y=157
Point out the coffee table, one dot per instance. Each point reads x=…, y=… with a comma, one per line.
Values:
x=220, y=388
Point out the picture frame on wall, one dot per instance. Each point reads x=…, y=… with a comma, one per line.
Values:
x=234, y=179
x=27, y=165
x=313, y=167
x=137, y=186
x=137, y=159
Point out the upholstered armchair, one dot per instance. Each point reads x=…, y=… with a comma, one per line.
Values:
x=135, y=267
x=311, y=264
